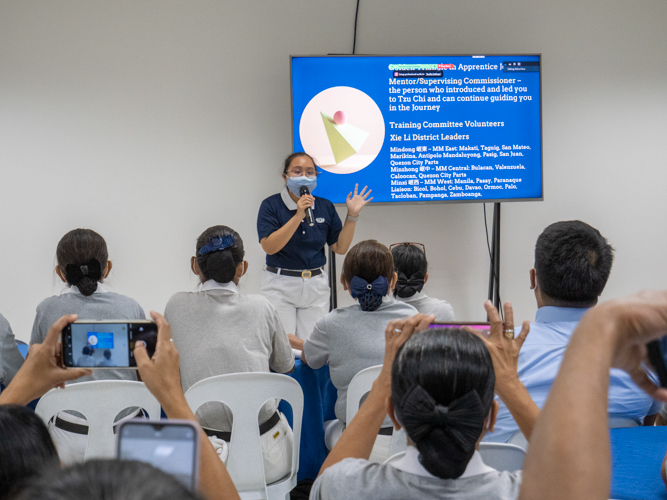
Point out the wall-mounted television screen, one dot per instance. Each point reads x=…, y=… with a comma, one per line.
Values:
x=421, y=128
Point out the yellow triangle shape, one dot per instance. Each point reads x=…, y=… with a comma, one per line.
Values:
x=339, y=146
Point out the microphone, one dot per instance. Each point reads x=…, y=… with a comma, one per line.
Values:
x=309, y=211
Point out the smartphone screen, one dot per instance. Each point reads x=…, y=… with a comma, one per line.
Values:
x=657, y=355
x=485, y=327
x=106, y=344
x=170, y=445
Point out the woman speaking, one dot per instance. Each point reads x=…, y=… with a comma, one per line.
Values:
x=294, y=280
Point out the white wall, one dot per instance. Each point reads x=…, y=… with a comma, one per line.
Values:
x=149, y=121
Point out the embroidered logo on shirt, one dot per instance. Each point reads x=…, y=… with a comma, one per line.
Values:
x=320, y=220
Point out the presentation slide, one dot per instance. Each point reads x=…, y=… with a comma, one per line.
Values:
x=421, y=128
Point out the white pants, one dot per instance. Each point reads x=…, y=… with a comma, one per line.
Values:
x=71, y=446
x=300, y=302
x=276, y=450
x=333, y=430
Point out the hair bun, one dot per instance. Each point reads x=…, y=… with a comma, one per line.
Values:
x=84, y=276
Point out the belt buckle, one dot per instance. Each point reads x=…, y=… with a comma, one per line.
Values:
x=306, y=273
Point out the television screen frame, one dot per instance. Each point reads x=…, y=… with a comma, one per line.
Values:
x=478, y=55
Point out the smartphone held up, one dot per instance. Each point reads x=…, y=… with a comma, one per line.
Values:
x=106, y=344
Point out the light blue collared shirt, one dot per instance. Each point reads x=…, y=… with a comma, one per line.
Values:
x=539, y=362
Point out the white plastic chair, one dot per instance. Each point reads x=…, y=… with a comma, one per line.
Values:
x=245, y=394
x=99, y=401
x=502, y=456
x=360, y=385
x=519, y=440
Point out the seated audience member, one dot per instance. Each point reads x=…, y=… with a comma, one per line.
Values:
x=570, y=457
x=10, y=357
x=219, y=330
x=83, y=263
x=572, y=265
x=42, y=371
x=412, y=270
x=26, y=449
x=438, y=384
x=351, y=338
x=107, y=480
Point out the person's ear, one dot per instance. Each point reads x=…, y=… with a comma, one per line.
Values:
x=285, y=177
x=241, y=269
x=194, y=266
x=389, y=406
x=533, y=279
x=425, y=278
x=107, y=269
x=392, y=283
x=61, y=274
x=493, y=414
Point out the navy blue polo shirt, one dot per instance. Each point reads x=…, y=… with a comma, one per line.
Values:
x=305, y=249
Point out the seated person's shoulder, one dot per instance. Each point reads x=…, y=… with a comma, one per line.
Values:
x=348, y=479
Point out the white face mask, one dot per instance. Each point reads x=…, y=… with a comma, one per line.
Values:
x=294, y=184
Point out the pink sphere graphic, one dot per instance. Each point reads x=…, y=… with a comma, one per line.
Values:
x=339, y=117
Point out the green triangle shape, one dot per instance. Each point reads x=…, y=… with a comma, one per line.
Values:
x=340, y=147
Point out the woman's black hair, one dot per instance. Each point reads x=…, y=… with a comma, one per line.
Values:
x=220, y=265
x=108, y=480
x=82, y=256
x=442, y=383
x=26, y=449
x=291, y=157
x=411, y=266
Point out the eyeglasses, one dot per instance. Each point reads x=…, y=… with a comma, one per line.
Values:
x=409, y=243
x=297, y=172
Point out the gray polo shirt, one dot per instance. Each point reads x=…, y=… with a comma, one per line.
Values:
x=442, y=309
x=219, y=331
x=350, y=340
x=101, y=305
x=11, y=359
x=354, y=478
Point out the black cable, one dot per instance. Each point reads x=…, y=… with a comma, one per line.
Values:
x=488, y=246
x=354, y=40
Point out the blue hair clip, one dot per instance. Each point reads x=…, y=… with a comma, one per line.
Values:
x=217, y=243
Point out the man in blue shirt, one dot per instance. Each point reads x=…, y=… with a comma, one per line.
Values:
x=572, y=265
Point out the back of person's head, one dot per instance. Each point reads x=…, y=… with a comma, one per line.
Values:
x=26, y=448
x=442, y=384
x=219, y=252
x=572, y=261
x=411, y=266
x=87, y=350
x=368, y=270
x=82, y=256
x=108, y=480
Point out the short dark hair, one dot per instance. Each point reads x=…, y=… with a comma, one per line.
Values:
x=26, y=449
x=291, y=157
x=82, y=247
x=448, y=364
x=573, y=261
x=108, y=480
x=411, y=261
x=368, y=259
x=220, y=265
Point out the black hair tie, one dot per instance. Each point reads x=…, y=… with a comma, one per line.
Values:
x=74, y=273
x=407, y=287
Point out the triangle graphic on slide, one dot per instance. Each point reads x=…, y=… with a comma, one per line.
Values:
x=345, y=139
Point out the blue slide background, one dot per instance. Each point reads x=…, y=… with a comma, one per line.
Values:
x=371, y=74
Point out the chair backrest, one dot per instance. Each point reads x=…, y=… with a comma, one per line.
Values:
x=502, y=456
x=99, y=401
x=360, y=385
x=519, y=439
x=616, y=422
x=245, y=394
